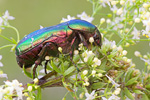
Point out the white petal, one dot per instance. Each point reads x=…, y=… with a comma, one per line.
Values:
x=1, y=64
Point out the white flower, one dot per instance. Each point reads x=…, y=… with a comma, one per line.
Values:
x=0, y=62
x=146, y=23
x=146, y=60
x=135, y=33
x=90, y=96
x=137, y=53
x=93, y=72
x=108, y=43
x=86, y=54
x=104, y=2
x=85, y=17
x=67, y=19
x=114, y=9
x=112, y=81
x=7, y=17
x=117, y=23
x=97, y=61
x=113, y=97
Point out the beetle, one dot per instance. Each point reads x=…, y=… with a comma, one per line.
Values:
x=34, y=47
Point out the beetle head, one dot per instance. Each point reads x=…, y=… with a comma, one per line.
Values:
x=97, y=38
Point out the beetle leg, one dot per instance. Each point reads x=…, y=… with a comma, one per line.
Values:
x=39, y=60
x=45, y=67
x=83, y=40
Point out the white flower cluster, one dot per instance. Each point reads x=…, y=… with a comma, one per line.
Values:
x=137, y=15
x=10, y=89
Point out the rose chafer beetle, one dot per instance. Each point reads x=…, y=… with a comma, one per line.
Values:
x=34, y=47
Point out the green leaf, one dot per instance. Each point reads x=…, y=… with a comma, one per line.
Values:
x=144, y=97
x=66, y=65
x=138, y=92
x=128, y=94
x=27, y=73
x=122, y=95
x=90, y=59
x=127, y=77
x=76, y=58
x=131, y=81
x=98, y=85
x=69, y=70
x=112, y=54
x=55, y=67
x=112, y=62
x=118, y=76
x=100, y=71
x=103, y=64
x=148, y=86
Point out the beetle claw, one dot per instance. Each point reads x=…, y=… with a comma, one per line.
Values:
x=45, y=67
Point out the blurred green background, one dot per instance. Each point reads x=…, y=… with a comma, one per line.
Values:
x=29, y=15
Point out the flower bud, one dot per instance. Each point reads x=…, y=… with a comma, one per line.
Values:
x=59, y=49
x=137, y=53
x=36, y=80
x=137, y=20
x=47, y=57
x=119, y=11
x=76, y=52
x=29, y=88
x=99, y=74
x=91, y=39
x=85, y=72
x=124, y=52
x=108, y=21
x=122, y=2
x=102, y=20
